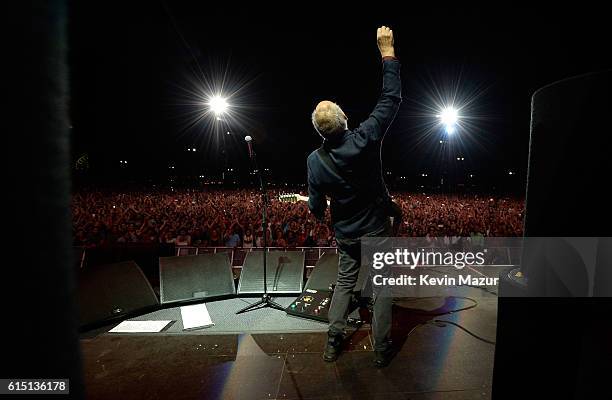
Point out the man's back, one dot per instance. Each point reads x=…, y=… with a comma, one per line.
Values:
x=356, y=155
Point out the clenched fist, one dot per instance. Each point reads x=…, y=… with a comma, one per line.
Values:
x=384, y=39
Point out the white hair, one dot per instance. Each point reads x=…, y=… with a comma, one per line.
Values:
x=337, y=123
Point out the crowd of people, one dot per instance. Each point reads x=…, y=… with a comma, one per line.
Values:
x=232, y=218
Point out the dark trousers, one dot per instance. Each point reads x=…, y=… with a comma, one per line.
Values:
x=349, y=251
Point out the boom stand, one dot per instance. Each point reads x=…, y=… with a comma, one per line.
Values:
x=266, y=300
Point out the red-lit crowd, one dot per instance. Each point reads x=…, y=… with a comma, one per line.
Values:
x=232, y=218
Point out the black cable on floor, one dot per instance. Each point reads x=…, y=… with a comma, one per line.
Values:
x=439, y=321
x=447, y=312
x=486, y=289
x=462, y=328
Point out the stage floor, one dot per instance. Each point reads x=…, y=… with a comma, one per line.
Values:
x=223, y=314
x=434, y=361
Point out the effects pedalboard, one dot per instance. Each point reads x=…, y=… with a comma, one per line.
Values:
x=314, y=304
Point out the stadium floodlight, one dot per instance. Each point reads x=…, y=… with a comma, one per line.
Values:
x=449, y=118
x=218, y=105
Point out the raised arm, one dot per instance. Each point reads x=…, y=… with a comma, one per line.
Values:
x=375, y=127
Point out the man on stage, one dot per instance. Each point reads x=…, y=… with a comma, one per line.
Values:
x=348, y=169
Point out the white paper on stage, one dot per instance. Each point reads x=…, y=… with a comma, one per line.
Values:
x=196, y=316
x=140, y=326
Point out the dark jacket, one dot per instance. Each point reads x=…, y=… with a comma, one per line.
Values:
x=357, y=153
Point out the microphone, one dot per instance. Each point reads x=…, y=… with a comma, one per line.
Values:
x=249, y=141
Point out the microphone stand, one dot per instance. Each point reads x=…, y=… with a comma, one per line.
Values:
x=266, y=300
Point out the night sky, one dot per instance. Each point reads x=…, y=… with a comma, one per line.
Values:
x=130, y=65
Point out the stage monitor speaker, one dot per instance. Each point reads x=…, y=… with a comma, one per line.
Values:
x=285, y=272
x=568, y=179
x=201, y=276
x=325, y=274
x=556, y=347
x=113, y=291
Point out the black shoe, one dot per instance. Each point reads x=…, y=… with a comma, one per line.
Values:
x=333, y=347
x=382, y=358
